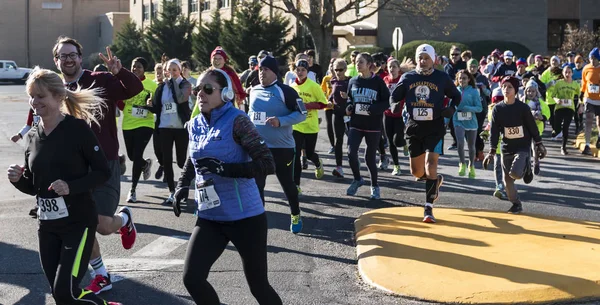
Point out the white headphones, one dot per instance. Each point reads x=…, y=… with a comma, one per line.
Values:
x=227, y=94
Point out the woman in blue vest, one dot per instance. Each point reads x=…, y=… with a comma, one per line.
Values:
x=226, y=152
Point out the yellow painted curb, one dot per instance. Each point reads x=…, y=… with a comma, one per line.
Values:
x=580, y=143
x=474, y=256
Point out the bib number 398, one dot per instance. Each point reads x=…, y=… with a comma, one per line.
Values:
x=52, y=208
x=514, y=132
x=423, y=114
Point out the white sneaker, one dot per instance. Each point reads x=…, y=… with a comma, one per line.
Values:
x=147, y=169
x=384, y=163
x=131, y=198
x=396, y=171
x=338, y=172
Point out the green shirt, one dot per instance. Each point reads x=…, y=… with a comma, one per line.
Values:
x=563, y=94
x=310, y=92
x=135, y=117
x=351, y=70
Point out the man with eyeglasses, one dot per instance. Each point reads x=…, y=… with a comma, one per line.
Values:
x=274, y=108
x=456, y=63
x=117, y=84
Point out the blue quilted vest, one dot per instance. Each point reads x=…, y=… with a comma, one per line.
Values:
x=239, y=197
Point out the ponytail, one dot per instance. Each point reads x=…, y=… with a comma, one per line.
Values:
x=85, y=104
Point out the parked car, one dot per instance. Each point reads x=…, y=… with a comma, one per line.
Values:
x=10, y=72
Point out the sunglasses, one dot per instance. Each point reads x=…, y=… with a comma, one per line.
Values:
x=206, y=88
x=339, y=70
x=453, y=55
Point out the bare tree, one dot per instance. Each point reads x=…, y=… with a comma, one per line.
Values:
x=320, y=16
x=581, y=41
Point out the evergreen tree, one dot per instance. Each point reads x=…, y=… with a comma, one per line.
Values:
x=127, y=45
x=206, y=38
x=250, y=31
x=170, y=33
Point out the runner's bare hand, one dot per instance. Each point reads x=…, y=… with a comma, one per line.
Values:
x=111, y=62
x=15, y=172
x=60, y=187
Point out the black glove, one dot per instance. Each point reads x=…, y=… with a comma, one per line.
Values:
x=540, y=150
x=350, y=108
x=181, y=194
x=212, y=165
x=487, y=160
x=395, y=108
x=449, y=111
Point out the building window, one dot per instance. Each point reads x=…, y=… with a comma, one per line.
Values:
x=557, y=28
x=193, y=6
x=154, y=10
x=145, y=12
x=224, y=3
x=206, y=6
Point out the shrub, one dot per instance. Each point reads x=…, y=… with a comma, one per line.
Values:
x=485, y=47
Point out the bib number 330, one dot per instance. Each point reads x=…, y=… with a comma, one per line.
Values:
x=52, y=208
x=514, y=132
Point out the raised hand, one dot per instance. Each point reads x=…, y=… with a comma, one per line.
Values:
x=111, y=62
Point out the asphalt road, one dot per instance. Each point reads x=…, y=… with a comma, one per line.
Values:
x=317, y=266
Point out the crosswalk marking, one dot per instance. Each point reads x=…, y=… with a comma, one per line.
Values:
x=161, y=246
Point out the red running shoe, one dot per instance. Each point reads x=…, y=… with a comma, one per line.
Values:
x=100, y=283
x=128, y=232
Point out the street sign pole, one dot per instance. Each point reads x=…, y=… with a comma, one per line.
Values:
x=397, y=39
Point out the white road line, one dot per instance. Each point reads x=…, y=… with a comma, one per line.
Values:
x=162, y=246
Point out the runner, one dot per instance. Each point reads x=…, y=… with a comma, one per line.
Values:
x=116, y=85
x=63, y=163
x=326, y=87
x=513, y=120
x=159, y=76
x=566, y=94
x=500, y=191
x=456, y=64
x=170, y=104
x=229, y=204
x=368, y=98
x=539, y=111
x=549, y=78
x=590, y=95
x=351, y=67
x=465, y=120
x=186, y=72
x=339, y=96
x=138, y=126
x=577, y=72
x=424, y=90
x=485, y=92
x=306, y=132
x=274, y=109
x=314, y=67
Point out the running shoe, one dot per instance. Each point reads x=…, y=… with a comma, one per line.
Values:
x=384, y=163
x=428, y=215
x=338, y=171
x=452, y=147
x=131, y=198
x=147, y=169
x=559, y=136
x=587, y=150
x=500, y=194
x=122, y=164
x=319, y=171
x=462, y=169
x=405, y=150
x=99, y=284
x=114, y=303
x=296, y=224
x=169, y=201
x=33, y=212
x=128, y=231
x=159, y=172
x=516, y=208
x=375, y=193
x=396, y=171
x=331, y=150
x=440, y=181
x=354, y=187
x=472, y=172
x=563, y=151
x=528, y=176
x=304, y=163
x=299, y=190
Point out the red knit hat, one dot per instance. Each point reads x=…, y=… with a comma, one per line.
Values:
x=219, y=51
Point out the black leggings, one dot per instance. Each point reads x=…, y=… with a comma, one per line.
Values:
x=551, y=119
x=340, y=130
x=329, y=119
x=65, y=257
x=481, y=116
x=308, y=142
x=372, y=139
x=451, y=123
x=284, y=170
x=562, y=121
x=207, y=243
x=394, y=129
x=136, y=141
x=157, y=147
x=168, y=136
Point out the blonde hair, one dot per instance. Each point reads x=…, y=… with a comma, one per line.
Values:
x=340, y=62
x=85, y=104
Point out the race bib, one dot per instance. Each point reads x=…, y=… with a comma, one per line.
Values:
x=464, y=116
x=138, y=112
x=422, y=114
x=346, y=118
x=593, y=88
x=514, y=132
x=362, y=109
x=169, y=108
x=206, y=196
x=52, y=208
x=565, y=102
x=258, y=118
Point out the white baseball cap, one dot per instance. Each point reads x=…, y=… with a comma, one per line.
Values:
x=425, y=49
x=508, y=54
